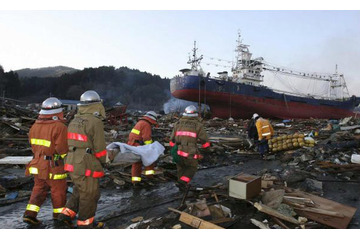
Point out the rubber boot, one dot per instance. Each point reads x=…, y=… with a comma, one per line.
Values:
x=65, y=220
x=31, y=220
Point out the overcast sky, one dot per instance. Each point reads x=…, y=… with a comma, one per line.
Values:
x=159, y=42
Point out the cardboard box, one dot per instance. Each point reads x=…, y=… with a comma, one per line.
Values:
x=244, y=186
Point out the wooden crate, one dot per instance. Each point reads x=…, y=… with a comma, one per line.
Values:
x=244, y=186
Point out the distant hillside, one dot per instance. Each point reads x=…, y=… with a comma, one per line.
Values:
x=45, y=72
x=139, y=90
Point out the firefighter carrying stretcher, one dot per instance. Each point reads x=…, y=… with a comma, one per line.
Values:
x=141, y=135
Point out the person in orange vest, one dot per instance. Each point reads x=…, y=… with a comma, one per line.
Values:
x=265, y=132
x=86, y=156
x=48, y=139
x=141, y=135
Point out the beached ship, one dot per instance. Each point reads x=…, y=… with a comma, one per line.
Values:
x=242, y=94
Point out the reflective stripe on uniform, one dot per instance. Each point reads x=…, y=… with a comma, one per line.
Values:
x=94, y=174
x=148, y=142
x=185, y=133
x=59, y=156
x=265, y=134
x=183, y=154
x=33, y=170
x=135, y=131
x=32, y=207
x=149, y=172
x=68, y=212
x=185, y=179
x=68, y=167
x=57, y=176
x=77, y=137
x=265, y=126
x=40, y=142
x=205, y=145
x=58, y=210
x=86, y=222
x=136, y=179
x=100, y=154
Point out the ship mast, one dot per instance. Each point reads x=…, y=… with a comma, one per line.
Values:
x=337, y=83
x=246, y=69
x=195, y=61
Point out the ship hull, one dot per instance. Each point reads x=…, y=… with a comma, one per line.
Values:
x=237, y=100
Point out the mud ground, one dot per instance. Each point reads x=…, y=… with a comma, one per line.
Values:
x=118, y=206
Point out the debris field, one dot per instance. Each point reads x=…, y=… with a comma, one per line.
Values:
x=310, y=179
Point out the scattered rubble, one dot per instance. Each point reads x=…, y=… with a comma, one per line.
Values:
x=288, y=190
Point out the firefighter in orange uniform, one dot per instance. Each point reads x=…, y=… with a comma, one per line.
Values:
x=265, y=132
x=185, y=135
x=86, y=155
x=141, y=135
x=48, y=139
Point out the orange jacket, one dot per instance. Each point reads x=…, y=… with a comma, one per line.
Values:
x=48, y=139
x=264, y=128
x=141, y=133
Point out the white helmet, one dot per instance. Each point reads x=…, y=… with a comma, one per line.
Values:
x=89, y=97
x=255, y=116
x=51, y=106
x=190, y=111
x=152, y=115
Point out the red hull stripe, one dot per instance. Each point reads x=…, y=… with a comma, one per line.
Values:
x=68, y=167
x=185, y=179
x=100, y=154
x=185, y=133
x=77, y=137
x=244, y=106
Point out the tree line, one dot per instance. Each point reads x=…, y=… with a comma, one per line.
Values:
x=138, y=90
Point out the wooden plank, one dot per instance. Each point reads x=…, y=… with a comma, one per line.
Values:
x=272, y=212
x=349, y=127
x=16, y=160
x=233, y=139
x=322, y=211
x=326, y=204
x=221, y=220
x=303, y=201
x=195, y=222
x=280, y=223
x=259, y=224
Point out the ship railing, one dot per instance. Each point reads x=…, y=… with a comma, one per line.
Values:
x=308, y=95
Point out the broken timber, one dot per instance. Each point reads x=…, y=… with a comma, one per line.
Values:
x=195, y=222
x=272, y=212
x=16, y=160
x=259, y=224
x=329, y=206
